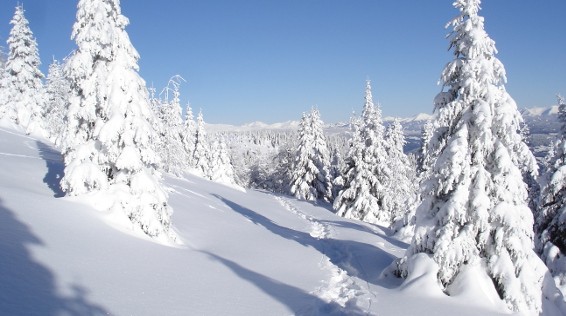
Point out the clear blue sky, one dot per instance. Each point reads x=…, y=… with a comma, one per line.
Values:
x=271, y=60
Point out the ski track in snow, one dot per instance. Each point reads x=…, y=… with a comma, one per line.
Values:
x=341, y=288
x=19, y=156
x=177, y=189
x=7, y=131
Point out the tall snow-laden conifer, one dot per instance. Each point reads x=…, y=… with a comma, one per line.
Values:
x=171, y=150
x=352, y=166
x=2, y=82
x=550, y=226
x=2, y=60
x=321, y=157
x=58, y=92
x=336, y=166
x=303, y=170
x=201, y=150
x=310, y=175
x=108, y=144
x=366, y=170
x=423, y=158
x=222, y=170
x=23, y=98
x=401, y=185
x=188, y=136
x=475, y=210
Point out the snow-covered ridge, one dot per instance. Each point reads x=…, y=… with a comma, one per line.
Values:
x=540, y=111
x=294, y=125
x=254, y=126
x=542, y=122
x=421, y=117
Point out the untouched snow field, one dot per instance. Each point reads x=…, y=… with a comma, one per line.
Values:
x=243, y=253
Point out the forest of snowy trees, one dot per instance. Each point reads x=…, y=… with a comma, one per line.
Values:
x=467, y=199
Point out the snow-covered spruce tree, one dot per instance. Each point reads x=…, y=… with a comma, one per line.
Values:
x=171, y=150
x=303, y=170
x=2, y=82
x=108, y=143
x=366, y=172
x=3, y=58
x=530, y=178
x=222, y=170
x=310, y=177
x=265, y=166
x=23, y=98
x=188, y=134
x=550, y=225
x=280, y=177
x=423, y=157
x=58, y=92
x=336, y=166
x=321, y=157
x=350, y=168
x=200, y=155
x=402, y=186
x=475, y=210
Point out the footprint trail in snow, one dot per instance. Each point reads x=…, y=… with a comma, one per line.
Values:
x=341, y=290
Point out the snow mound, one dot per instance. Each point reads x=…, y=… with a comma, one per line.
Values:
x=474, y=283
x=422, y=277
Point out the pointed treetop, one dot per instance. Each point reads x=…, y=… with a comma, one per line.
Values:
x=468, y=37
x=562, y=113
x=174, y=85
x=368, y=96
x=99, y=30
x=21, y=41
x=188, y=113
x=19, y=15
x=468, y=7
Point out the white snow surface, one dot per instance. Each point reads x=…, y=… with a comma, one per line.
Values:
x=243, y=253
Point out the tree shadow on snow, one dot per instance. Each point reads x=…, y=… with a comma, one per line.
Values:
x=296, y=299
x=26, y=286
x=385, y=234
x=358, y=259
x=55, y=168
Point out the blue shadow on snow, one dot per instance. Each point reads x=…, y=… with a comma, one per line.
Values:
x=26, y=286
x=288, y=295
x=358, y=259
x=55, y=168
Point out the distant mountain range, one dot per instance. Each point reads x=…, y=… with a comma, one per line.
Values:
x=419, y=119
x=538, y=114
x=542, y=121
x=540, y=111
x=543, y=126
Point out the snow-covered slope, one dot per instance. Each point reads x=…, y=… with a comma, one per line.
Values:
x=244, y=253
